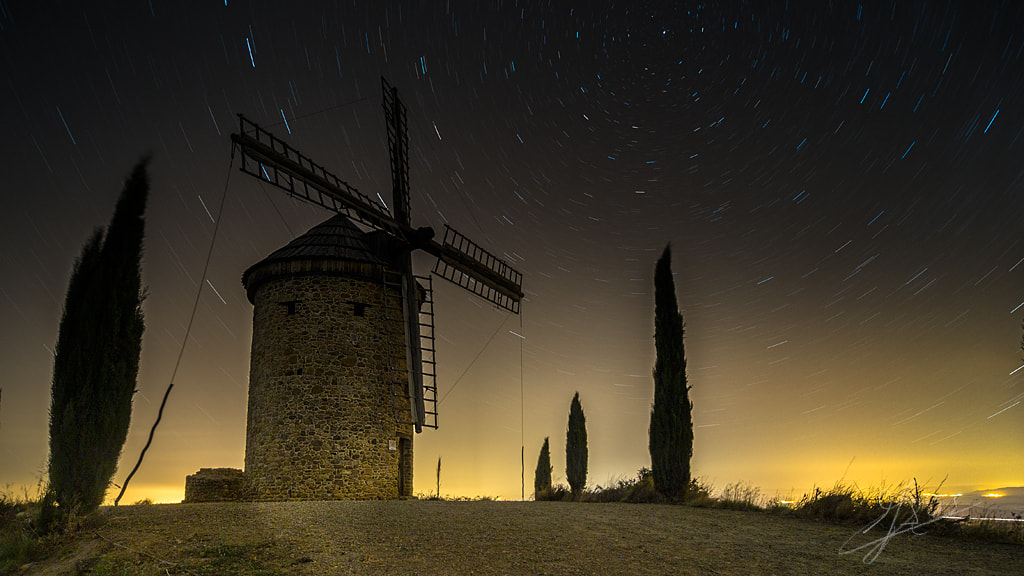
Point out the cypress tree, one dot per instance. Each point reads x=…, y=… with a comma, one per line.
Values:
x=671, y=429
x=542, y=476
x=97, y=354
x=576, y=448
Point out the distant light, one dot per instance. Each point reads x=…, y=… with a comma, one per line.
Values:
x=992, y=495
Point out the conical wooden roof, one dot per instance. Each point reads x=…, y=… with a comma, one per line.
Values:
x=335, y=247
x=337, y=237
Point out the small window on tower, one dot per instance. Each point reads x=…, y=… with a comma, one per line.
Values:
x=289, y=306
x=359, y=308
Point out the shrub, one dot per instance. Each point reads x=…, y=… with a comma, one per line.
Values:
x=19, y=543
x=698, y=494
x=740, y=496
x=556, y=493
x=845, y=504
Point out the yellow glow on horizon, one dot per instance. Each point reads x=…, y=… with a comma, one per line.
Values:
x=993, y=495
x=154, y=493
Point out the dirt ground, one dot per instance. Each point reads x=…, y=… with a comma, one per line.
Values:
x=485, y=538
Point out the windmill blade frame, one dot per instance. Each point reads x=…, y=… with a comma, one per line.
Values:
x=270, y=159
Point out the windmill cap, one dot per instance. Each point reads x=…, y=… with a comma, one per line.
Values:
x=335, y=247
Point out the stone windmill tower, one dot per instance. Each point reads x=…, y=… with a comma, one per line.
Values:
x=341, y=374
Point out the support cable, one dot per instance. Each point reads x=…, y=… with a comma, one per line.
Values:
x=188, y=329
x=522, y=415
x=459, y=379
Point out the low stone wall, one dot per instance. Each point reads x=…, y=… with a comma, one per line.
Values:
x=215, y=485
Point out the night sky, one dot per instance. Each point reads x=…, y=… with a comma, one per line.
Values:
x=842, y=185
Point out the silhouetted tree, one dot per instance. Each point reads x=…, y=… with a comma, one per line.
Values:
x=576, y=448
x=671, y=430
x=542, y=477
x=97, y=354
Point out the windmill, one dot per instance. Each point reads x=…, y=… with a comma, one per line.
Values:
x=459, y=259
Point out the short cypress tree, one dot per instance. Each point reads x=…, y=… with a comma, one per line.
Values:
x=671, y=430
x=542, y=476
x=576, y=448
x=97, y=354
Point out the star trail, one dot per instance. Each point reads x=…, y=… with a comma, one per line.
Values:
x=841, y=183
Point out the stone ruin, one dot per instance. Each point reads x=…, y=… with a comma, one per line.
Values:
x=215, y=485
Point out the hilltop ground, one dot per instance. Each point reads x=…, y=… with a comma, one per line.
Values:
x=484, y=537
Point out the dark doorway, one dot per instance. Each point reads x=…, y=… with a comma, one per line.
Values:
x=404, y=468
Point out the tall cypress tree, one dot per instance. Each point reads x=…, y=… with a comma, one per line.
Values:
x=671, y=430
x=576, y=448
x=97, y=354
x=542, y=476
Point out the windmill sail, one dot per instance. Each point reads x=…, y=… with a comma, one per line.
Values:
x=459, y=259
x=270, y=159
x=398, y=151
x=462, y=261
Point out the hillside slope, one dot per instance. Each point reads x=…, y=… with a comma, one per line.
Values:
x=430, y=537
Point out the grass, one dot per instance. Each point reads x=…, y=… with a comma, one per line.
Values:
x=232, y=559
x=33, y=529
x=898, y=508
x=902, y=506
x=19, y=542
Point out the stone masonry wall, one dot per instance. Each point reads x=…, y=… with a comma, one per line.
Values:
x=321, y=422
x=215, y=485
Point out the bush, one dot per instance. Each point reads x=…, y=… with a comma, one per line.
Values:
x=845, y=504
x=698, y=494
x=556, y=493
x=635, y=490
x=642, y=489
x=740, y=496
